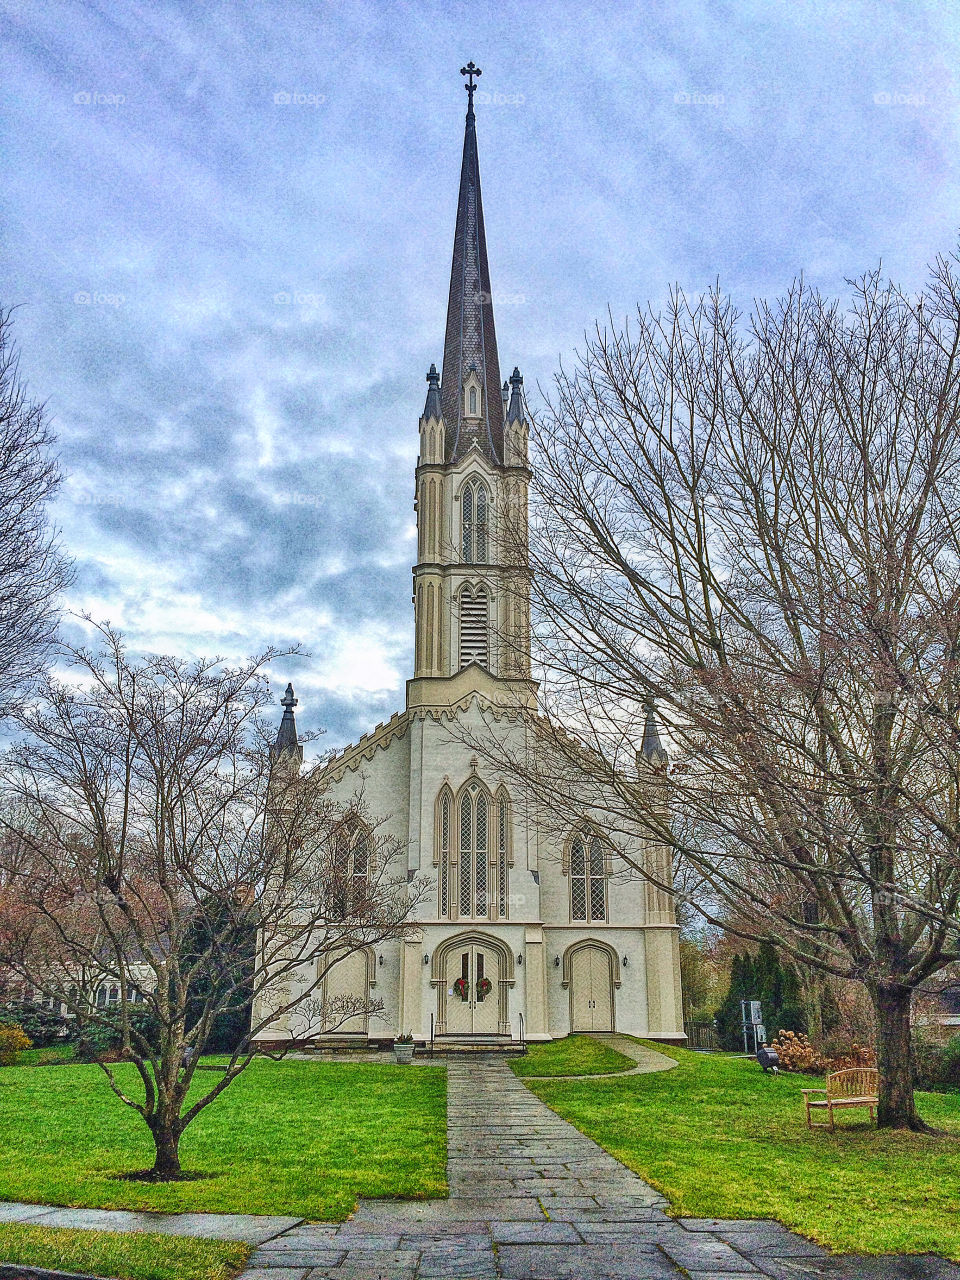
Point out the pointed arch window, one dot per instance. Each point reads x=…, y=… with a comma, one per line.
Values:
x=472, y=853
x=442, y=858
x=474, y=515
x=474, y=626
x=472, y=395
x=503, y=853
x=350, y=878
x=588, y=878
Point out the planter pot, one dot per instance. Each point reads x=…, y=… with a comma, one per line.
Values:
x=403, y=1053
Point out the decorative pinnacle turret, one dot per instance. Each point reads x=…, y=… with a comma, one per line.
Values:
x=515, y=411
x=470, y=70
x=432, y=407
x=288, y=742
x=651, y=748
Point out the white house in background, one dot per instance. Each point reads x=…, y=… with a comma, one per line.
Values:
x=522, y=930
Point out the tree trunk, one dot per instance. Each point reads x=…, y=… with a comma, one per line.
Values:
x=895, y=1060
x=166, y=1166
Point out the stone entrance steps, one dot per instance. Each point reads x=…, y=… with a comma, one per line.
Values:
x=448, y=1047
x=443, y=1047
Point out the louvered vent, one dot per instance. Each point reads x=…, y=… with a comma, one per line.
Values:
x=473, y=628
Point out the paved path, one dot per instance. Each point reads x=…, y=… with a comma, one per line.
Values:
x=531, y=1198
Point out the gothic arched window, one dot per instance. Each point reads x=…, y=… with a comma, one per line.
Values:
x=349, y=881
x=474, y=517
x=503, y=853
x=473, y=402
x=588, y=878
x=442, y=854
x=474, y=626
x=472, y=853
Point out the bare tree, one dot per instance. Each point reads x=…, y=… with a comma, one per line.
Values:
x=153, y=841
x=756, y=525
x=32, y=569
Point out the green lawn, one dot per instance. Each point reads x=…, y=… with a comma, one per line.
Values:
x=298, y=1138
x=573, y=1056
x=39, y=1057
x=126, y=1257
x=721, y=1139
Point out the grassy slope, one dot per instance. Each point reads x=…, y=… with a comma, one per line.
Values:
x=574, y=1056
x=722, y=1139
x=127, y=1257
x=53, y=1053
x=286, y=1137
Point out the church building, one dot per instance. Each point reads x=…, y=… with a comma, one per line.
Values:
x=525, y=931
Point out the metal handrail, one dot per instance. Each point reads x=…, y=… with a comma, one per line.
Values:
x=431, y=1035
x=523, y=1042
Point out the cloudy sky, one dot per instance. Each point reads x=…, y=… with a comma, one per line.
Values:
x=228, y=228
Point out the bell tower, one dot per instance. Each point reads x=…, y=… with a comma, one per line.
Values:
x=471, y=593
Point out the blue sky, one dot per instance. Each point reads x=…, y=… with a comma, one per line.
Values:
x=229, y=301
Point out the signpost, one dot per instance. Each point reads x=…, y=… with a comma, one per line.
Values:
x=752, y=1021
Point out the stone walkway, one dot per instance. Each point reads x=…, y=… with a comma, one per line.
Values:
x=531, y=1198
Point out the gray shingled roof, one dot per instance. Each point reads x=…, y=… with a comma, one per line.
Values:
x=471, y=339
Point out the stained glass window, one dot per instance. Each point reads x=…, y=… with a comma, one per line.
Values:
x=502, y=856
x=474, y=515
x=480, y=855
x=588, y=884
x=349, y=892
x=475, y=889
x=444, y=834
x=466, y=856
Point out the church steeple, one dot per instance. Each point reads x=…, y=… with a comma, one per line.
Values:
x=470, y=589
x=470, y=386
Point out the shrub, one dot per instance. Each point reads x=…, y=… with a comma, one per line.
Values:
x=951, y=1062
x=936, y=1066
x=796, y=1053
x=13, y=1041
x=98, y=1039
x=43, y=1026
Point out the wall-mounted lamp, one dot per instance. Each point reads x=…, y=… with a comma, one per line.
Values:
x=519, y=958
x=556, y=962
x=380, y=962
x=625, y=961
x=426, y=958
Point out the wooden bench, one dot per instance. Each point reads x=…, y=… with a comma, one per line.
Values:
x=855, y=1087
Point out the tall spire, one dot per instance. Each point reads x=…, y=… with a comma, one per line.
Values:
x=287, y=743
x=651, y=748
x=470, y=346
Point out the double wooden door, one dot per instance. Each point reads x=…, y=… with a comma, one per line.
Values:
x=473, y=991
x=591, y=984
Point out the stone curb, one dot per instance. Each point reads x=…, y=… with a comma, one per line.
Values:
x=13, y=1271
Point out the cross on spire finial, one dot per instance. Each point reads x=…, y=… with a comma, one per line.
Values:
x=470, y=70
x=288, y=700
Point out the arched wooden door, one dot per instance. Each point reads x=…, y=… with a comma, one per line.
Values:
x=591, y=990
x=347, y=980
x=473, y=991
